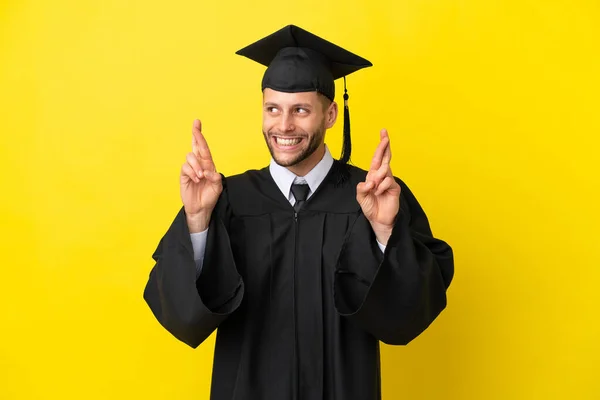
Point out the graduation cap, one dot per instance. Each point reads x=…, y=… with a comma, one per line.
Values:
x=299, y=61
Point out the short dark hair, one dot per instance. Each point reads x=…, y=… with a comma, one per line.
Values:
x=325, y=102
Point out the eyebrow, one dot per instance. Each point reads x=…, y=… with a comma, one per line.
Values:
x=302, y=105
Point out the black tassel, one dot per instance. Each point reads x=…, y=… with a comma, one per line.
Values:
x=342, y=169
x=347, y=146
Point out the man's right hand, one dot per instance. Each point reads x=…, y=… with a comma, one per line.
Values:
x=200, y=183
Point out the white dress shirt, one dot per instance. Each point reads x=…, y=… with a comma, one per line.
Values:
x=284, y=178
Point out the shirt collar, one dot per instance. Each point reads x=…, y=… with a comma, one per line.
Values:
x=284, y=178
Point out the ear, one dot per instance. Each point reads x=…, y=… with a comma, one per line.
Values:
x=331, y=115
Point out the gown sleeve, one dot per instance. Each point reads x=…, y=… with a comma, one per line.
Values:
x=396, y=295
x=187, y=306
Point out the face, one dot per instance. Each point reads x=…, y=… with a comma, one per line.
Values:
x=294, y=124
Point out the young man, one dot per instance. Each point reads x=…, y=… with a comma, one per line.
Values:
x=305, y=265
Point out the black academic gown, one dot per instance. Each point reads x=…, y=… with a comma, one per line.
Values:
x=300, y=301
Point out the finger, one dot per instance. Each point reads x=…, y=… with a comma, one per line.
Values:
x=377, y=176
x=203, y=150
x=196, y=127
x=386, y=184
x=195, y=149
x=378, y=157
x=195, y=164
x=383, y=133
x=387, y=154
x=188, y=171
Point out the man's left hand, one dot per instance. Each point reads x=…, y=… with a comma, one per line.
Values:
x=379, y=194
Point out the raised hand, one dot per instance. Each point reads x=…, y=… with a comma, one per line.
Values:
x=379, y=194
x=200, y=183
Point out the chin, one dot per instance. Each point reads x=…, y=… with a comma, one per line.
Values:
x=288, y=160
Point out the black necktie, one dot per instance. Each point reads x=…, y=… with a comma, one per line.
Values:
x=300, y=193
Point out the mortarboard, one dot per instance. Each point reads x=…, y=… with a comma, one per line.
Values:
x=299, y=61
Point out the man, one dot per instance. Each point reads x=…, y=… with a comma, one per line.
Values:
x=303, y=266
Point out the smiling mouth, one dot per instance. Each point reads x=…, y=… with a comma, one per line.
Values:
x=287, y=142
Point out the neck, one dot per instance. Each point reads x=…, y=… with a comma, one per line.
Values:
x=305, y=166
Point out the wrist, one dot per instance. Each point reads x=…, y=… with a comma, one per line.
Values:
x=382, y=232
x=198, y=222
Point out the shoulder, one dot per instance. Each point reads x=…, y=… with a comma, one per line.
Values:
x=356, y=172
x=251, y=177
x=252, y=193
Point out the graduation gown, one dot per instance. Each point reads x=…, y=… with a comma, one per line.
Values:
x=300, y=300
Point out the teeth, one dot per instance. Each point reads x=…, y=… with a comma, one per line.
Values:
x=287, y=142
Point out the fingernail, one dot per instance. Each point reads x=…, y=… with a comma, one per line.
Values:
x=208, y=174
x=199, y=174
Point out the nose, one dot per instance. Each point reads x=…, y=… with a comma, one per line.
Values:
x=286, y=123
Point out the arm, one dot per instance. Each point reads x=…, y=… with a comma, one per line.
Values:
x=397, y=295
x=190, y=308
x=188, y=301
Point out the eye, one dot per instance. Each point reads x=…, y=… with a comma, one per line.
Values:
x=271, y=110
x=301, y=110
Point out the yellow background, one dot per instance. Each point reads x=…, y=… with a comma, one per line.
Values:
x=493, y=112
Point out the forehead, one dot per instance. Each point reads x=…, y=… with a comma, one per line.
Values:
x=283, y=98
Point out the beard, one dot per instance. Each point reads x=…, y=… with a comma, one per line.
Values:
x=313, y=141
